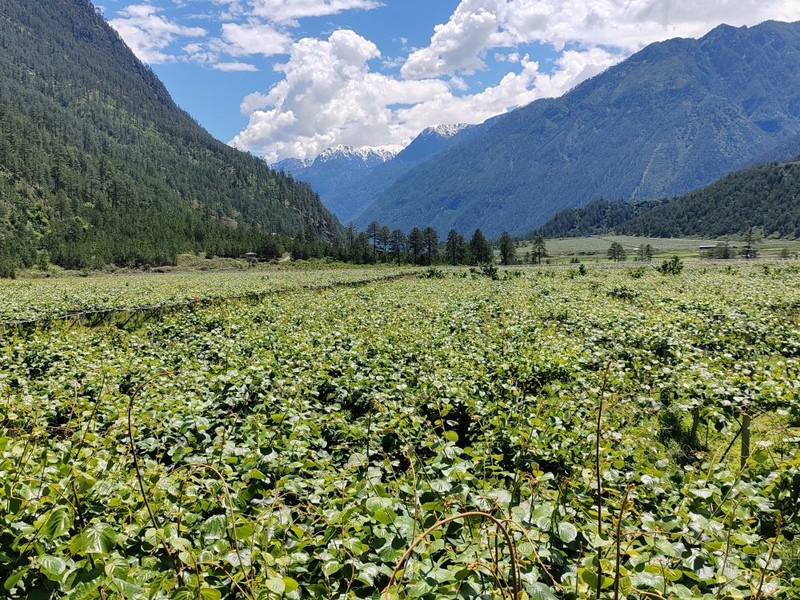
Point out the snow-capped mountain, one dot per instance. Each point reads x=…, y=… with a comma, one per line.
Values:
x=444, y=131
x=366, y=154
x=349, y=202
x=292, y=165
x=337, y=168
x=349, y=178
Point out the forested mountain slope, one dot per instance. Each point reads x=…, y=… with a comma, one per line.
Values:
x=672, y=118
x=98, y=164
x=766, y=196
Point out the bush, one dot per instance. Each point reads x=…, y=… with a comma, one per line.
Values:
x=673, y=266
x=432, y=273
x=637, y=272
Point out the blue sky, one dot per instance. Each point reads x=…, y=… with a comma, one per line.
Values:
x=283, y=78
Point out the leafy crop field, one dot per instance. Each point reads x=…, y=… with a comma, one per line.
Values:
x=37, y=299
x=545, y=435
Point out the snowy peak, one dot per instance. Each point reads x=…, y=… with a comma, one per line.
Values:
x=365, y=154
x=291, y=165
x=445, y=131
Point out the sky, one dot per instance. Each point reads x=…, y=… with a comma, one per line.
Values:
x=290, y=78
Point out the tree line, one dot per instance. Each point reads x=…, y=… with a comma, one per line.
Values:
x=423, y=246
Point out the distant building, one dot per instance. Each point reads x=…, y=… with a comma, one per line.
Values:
x=251, y=257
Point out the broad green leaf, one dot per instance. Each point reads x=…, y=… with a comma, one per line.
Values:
x=52, y=567
x=58, y=522
x=567, y=532
x=210, y=594
x=276, y=585
x=539, y=591
x=215, y=527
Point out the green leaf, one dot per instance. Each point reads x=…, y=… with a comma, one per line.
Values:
x=15, y=578
x=210, y=594
x=539, y=591
x=52, y=567
x=291, y=585
x=214, y=527
x=276, y=585
x=648, y=580
x=567, y=532
x=59, y=521
x=98, y=538
x=384, y=517
x=374, y=504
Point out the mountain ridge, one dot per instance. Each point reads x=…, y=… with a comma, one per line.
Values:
x=766, y=196
x=671, y=118
x=347, y=181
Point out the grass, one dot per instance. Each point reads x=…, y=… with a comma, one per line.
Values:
x=594, y=248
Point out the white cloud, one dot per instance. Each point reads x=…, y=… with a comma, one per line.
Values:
x=148, y=34
x=457, y=44
x=289, y=11
x=331, y=96
x=460, y=44
x=235, y=66
x=253, y=38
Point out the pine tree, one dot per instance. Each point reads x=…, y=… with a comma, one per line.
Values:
x=431, y=245
x=416, y=244
x=539, y=250
x=508, y=249
x=397, y=243
x=455, y=248
x=616, y=252
x=479, y=249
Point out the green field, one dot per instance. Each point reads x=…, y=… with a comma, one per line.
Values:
x=438, y=435
x=44, y=298
x=596, y=247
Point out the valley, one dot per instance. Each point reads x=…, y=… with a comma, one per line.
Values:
x=509, y=314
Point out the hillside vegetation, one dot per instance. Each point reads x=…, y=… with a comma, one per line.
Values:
x=766, y=197
x=98, y=164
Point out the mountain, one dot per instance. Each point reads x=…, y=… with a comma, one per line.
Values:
x=765, y=196
x=335, y=169
x=98, y=164
x=350, y=201
x=348, y=180
x=671, y=118
x=292, y=165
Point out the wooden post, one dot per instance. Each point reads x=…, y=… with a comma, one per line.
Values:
x=745, y=438
x=695, y=425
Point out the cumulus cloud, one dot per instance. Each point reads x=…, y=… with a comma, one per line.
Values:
x=253, y=38
x=457, y=44
x=238, y=40
x=289, y=11
x=235, y=66
x=461, y=43
x=330, y=95
x=148, y=33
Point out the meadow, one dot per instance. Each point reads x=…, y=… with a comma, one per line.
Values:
x=546, y=434
x=595, y=248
